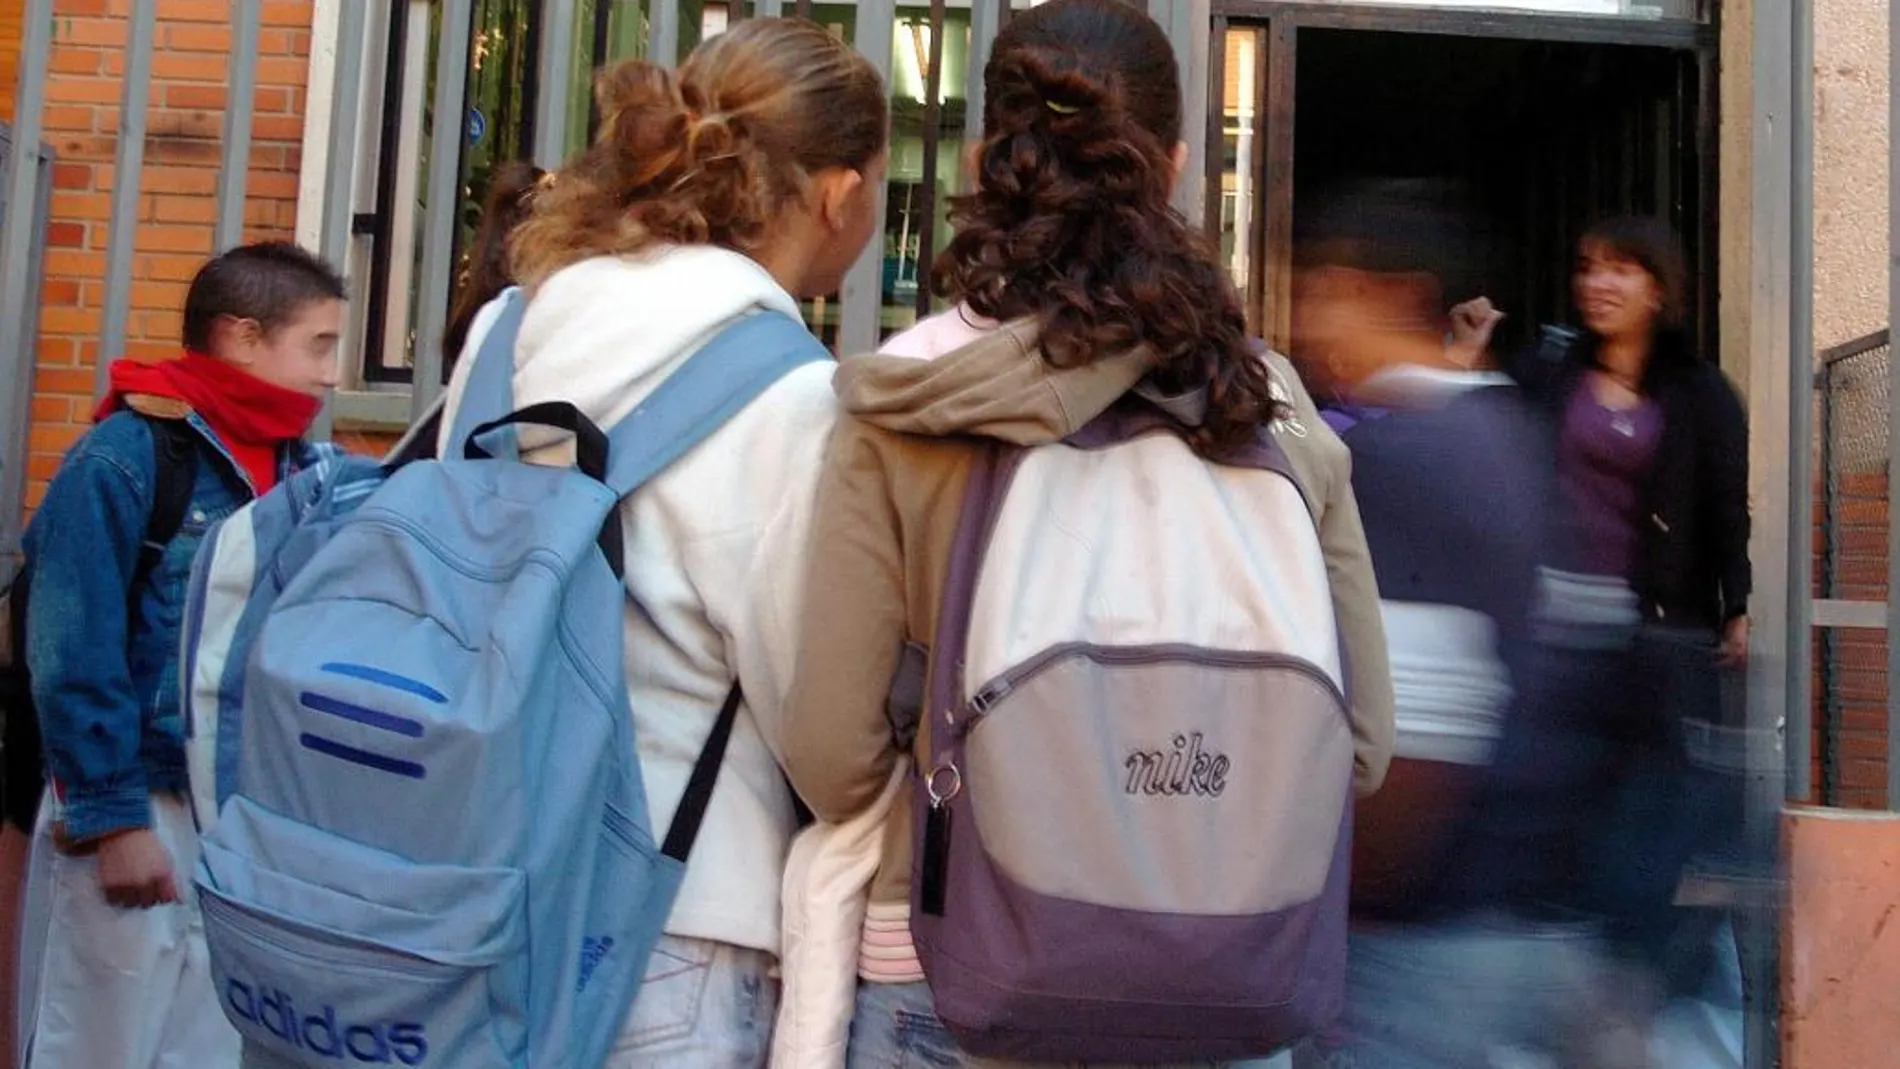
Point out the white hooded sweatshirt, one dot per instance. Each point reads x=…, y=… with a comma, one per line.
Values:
x=715, y=546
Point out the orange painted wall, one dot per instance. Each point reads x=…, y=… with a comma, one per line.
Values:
x=1840, y=947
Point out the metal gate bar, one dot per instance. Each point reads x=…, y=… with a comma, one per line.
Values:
x=438, y=220
x=128, y=165
x=247, y=17
x=861, y=317
x=20, y=232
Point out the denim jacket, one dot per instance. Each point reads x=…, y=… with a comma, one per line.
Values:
x=104, y=658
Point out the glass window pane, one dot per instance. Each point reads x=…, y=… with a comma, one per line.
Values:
x=914, y=195
x=1241, y=128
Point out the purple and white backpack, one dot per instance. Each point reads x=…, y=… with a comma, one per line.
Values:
x=1133, y=833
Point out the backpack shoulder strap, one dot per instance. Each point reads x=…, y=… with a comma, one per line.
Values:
x=489, y=392
x=175, y=456
x=728, y=373
x=419, y=441
x=725, y=375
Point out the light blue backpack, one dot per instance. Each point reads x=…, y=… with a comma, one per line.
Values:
x=427, y=838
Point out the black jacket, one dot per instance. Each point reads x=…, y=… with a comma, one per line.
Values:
x=1692, y=565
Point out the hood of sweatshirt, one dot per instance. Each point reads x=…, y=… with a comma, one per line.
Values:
x=604, y=333
x=995, y=386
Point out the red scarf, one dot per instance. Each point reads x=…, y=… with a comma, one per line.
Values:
x=253, y=419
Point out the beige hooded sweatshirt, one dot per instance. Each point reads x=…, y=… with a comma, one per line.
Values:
x=888, y=503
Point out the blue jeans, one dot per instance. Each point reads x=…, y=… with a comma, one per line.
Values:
x=703, y=1005
x=1481, y=994
x=895, y=1026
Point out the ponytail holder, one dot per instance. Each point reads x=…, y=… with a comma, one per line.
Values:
x=1061, y=109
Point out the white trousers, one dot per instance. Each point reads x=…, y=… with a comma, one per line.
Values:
x=110, y=988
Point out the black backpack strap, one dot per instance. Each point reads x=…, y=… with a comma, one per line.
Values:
x=699, y=787
x=22, y=763
x=175, y=452
x=22, y=771
x=418, y=442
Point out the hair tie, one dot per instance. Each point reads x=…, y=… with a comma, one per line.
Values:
x=1061, y=109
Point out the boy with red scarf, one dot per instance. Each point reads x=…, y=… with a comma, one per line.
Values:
x=122, y=981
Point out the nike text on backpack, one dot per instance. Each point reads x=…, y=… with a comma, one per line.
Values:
x=1176, y=890
x=431, y=845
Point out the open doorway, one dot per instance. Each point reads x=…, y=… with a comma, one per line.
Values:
x=1530, y=142
x=1528, y=139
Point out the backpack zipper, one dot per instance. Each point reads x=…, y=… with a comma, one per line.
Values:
x=406, y=963
x=987, y=696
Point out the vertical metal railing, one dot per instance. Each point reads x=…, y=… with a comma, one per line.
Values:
x=663, y=29
x=30, y=220
x=1851, y=538
x=1800, y=378
x=444, y=203
x=986, y=20
x=340, y=165
x=933, y=138
x=861, y=317
x=1893, y=440
x=128, y=165
x=247, y=18
x=1767, y=294
x=21, y=231
x=1189, y=24
x=556, y=81
x=381, y=292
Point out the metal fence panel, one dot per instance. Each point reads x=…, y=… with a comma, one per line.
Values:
x=1893, y=377
x=860, y=325
x=21, y=239
x=339, y=205
x=1850, y=542
x=438, y=221
x=247, y=18
x=128, y=164
x=16, y=412
x=1800, y=379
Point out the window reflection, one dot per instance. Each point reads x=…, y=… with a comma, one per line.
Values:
x=1240, y=167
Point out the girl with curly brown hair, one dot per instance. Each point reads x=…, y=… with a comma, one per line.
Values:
x=737, y=185
x=1085, y=307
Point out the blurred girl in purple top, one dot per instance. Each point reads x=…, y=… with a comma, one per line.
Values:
x=1598, y=802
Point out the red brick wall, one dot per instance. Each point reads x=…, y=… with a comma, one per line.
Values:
x=177, y=202
x=12, y=16
x=1851, y=664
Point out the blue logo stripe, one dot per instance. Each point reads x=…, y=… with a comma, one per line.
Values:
x=386, y=679
x=331, y=748
x=400, y=725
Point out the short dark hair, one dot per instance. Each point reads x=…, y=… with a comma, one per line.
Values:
x=1390, y=226
x=1651, y=244
x=268, y=282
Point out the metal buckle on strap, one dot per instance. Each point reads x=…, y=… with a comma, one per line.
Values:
x=943, y=783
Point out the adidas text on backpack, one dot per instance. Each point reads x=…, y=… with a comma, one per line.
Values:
x=432, y=845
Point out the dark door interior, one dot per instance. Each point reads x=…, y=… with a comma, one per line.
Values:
x=1537, y=138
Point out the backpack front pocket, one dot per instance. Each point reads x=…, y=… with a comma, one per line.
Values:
x=388, y=962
